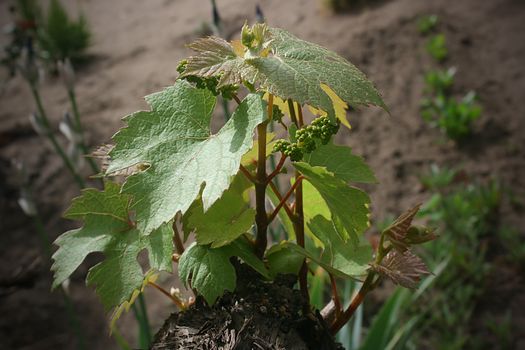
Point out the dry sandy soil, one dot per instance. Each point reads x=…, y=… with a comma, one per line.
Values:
x=136, y=47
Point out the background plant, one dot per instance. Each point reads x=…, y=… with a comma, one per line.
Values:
x=179, y=175
x=438, y=107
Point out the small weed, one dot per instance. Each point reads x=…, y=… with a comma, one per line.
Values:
x=440, y=81
x=514, y=244
x=452, y=117
x=466, y=217
x=436, y=47
x=427, y=24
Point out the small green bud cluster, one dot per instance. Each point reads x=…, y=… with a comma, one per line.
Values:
x=210, y=83
x=320, y=129
x=292, y=150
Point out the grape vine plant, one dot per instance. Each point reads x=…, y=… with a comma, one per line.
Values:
x=169, y=178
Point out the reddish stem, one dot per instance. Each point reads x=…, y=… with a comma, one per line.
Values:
x=285, y=198
x=343, y=318
x=247, y=173
x=335, y=295
x=173, y=298
x=277, y=168
x=280, y=198
x=179, y=246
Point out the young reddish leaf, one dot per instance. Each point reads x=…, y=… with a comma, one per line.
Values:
x=399, y=228
x=403, y=268
x=419, y=234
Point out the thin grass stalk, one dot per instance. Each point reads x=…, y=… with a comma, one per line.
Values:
x=58, y=149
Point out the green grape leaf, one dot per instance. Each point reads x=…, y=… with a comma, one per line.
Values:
x=348, y=205
x=345, y=257
x=174, y=141
x=340, y=161
x=207, y=270
x=244, y=250
x=217, y=57
x=287, y=257
x=210, y=271
x=282, y=260
x=297, y=69
x=108, y=229
x=314, y=205
x=228, y=218
x=287, y=67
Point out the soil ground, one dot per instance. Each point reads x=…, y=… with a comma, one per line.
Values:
x=136, y=47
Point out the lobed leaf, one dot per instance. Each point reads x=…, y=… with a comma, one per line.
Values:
x=210, y=271
x=340, y=161
x=107, y=229
x=288, y=67
x=403, y=268
x=228, y=218
x=181, y=154
x=343, y=256
x=348, y=205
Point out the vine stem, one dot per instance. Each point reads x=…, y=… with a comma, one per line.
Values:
x=247, y=173
x=282, y=200
x=335, y=295
x=237, y=99
x=280, y=197
x=343, y=318
x=277, y=168
x=261, y=217
x=177, y=240
x=298, y=221
x=173, y=298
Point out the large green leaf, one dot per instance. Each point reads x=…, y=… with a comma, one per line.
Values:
x=287, y=257
x=228, y=218
x=297, y=69
x=340, y=161
x=288, y=67
x=108, y=229
x=284, y=260
x=343, y=256
x=175, y=143
x=210, y=271
x=348, y=205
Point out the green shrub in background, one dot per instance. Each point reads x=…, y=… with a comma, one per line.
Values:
x=467, y=216
x=60, y=37
x=454, y=118
x=437, y=48
x=427, y=24
x=440, y=81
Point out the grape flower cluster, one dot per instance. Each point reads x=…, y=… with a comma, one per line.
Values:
x=321, y=129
